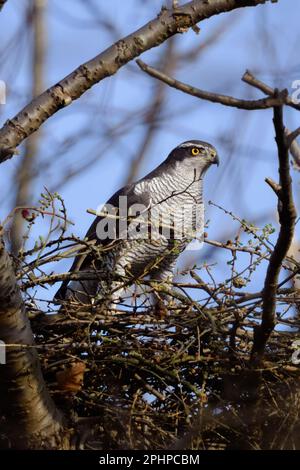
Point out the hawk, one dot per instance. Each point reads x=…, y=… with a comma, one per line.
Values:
x=144, y=226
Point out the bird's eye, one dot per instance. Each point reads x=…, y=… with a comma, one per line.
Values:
x=195, y=151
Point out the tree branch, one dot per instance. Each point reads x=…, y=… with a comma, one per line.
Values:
x=226, y=100
x=168, y=23
x=275, y=186
x=266, y=89
x=287, y=218
x=31, y=419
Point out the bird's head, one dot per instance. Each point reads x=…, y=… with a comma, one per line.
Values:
x=194, y=154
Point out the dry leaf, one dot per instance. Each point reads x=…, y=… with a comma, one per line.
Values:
x=71, y=378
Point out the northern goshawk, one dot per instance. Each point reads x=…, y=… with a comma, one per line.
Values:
x=144, y=227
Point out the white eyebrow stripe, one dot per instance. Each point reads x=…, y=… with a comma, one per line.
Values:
x=190, y=144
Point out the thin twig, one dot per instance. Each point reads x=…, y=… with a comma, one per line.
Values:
x=287, y=218
x=249, y=78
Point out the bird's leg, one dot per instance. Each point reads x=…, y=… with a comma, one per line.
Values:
x=162, y=275
x=111, y=288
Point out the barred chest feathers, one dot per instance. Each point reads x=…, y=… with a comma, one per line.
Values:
x=177, y=197
x=173, y=190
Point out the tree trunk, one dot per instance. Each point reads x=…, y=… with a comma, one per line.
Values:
x=29, y=417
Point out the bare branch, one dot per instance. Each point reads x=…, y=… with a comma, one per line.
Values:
x=168, y=23
x=213, y=97
x=275, y=186
x=25, y=172
x=287, y=218
x=294, y=150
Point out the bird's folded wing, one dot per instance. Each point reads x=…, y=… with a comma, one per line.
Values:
x=83, y=260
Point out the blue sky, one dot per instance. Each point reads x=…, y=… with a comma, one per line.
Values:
x=263, y=39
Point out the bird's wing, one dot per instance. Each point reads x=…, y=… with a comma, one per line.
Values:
x=83, y=260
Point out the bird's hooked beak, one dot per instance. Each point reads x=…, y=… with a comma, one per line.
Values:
x=216, y=160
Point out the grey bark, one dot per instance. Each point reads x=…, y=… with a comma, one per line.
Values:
x=29, y=416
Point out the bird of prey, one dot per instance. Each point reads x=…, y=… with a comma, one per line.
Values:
x=144, y=226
